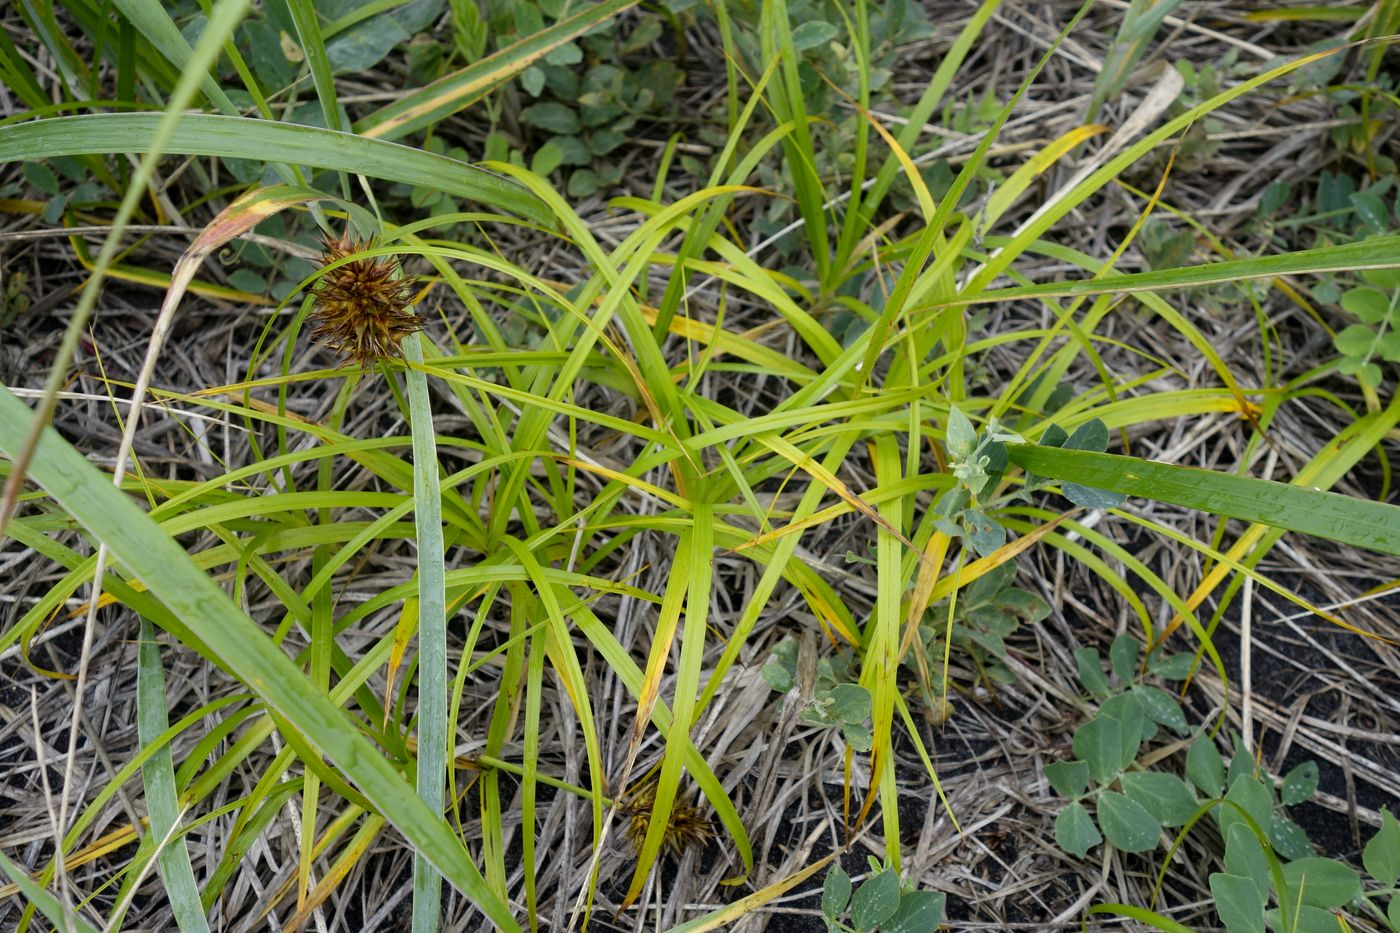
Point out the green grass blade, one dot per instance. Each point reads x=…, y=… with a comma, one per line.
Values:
x=1366, y=524
x=241, y=645
x=1373, y=253
x=158, y=779
x=1143, y=915
x=48, y=904
x=222, y=21
x=154, y=23
x=928, y=102
x=459, y=90
x=432, y=631
x=314, y=47
x=244, y=138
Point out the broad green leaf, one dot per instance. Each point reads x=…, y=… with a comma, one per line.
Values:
x=1307, y=919
x=1253, y=797
x=213, y=625
x=1123, y=657
x=1241, y=762
x=1299, y=784
x=1127, y=823
x=1382, y=853
x=1090, y=667
x=1321, y=882
x=1109, y=742
x=1366, y=524
x=246, y=138
x=1369, y=304
x=850, y=702
x=961, y=436
x=836, y=891
x=1288, y=838
x=1092, y=435
x=547, y=158
x=553, y=117
x=811, y=34
x=1171, y=667
x=1161, y=707
x=919, y=912
x=1075, y=831
x=1167, y=797
x=984, y=533
x=1069, y=778
x=875, y=901
x=1238, y=902
x=1244, y=857
x=1357, y=340
x=1382, y=278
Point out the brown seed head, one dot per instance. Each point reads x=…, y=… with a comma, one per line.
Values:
x=685, y=828
x=362, y=307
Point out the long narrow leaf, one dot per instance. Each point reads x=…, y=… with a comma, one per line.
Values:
x=1373, y=253
x=158, y=778
x=459, y=90
x=432, y=631
x=1372, y=525
x=48, y=904
x=241, y=644
x=246, y=138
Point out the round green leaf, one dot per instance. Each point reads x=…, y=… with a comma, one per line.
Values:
x=1299, y=784
x=41, y=176
x=812, y=34
x=552, y=116
x=1369, y=304
x=547, y=158
x=1127, y=823
x=875, y=901
x=1244, y=857
x=1253, y=797
x=1091, y=671
x=1356, y=340
x=1109, y=742
x=961, y=436
x=836, y=892
x=1382, y=853
x=1167, y=797
x=1238, y=902
x=1075, y=831
x=1123, y=657
x=1205, y=767
x=1161, y=707
x=919, y=912
x=1321, y=882
x=850, y=702
x=1069, y=778
x=1288, y=838
x=1306, y=919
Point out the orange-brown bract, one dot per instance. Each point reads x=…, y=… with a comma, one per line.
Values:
x=362, y=307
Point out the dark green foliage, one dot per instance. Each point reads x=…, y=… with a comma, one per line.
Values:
x=878, y=903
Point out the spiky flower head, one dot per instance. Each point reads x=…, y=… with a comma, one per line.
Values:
x=685, y=828
x=362, y=307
